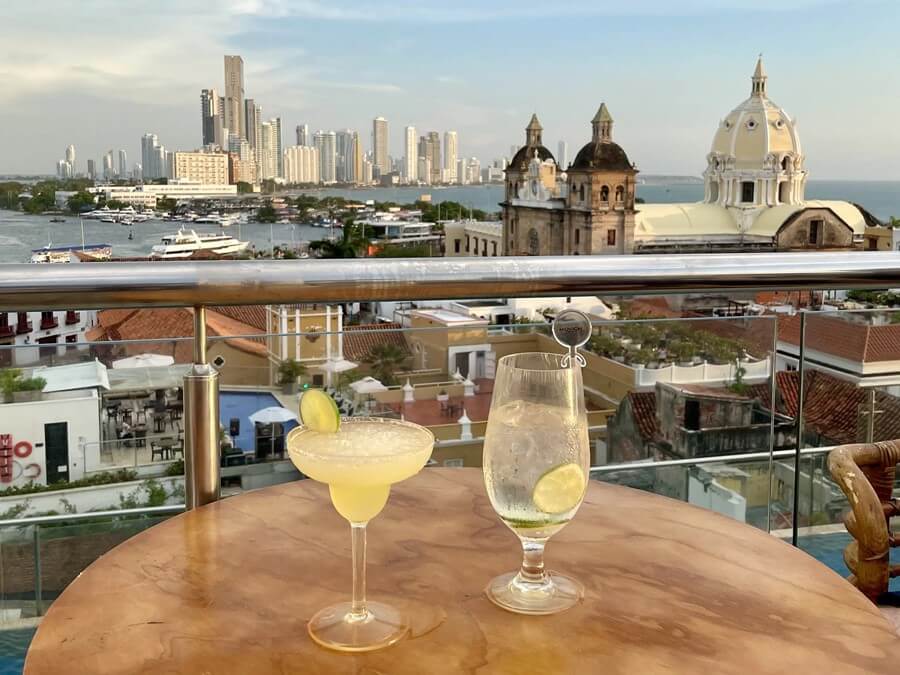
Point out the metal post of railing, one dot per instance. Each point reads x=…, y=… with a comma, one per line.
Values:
x=38, y=583
x=201, y=423
x=801, y=395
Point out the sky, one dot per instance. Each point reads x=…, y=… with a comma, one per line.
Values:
x=100, y=73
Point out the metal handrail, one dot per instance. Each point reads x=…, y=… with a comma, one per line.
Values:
x=182, y=284
x=90, y=515
x=713, y=459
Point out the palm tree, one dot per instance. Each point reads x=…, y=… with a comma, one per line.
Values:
x=384, y=359
x=352, y=241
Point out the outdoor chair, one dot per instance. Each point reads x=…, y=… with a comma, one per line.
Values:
x=156, y=452
x=865, y=473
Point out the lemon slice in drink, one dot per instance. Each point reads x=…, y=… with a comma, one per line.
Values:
x=319, y=412
x=559, y=489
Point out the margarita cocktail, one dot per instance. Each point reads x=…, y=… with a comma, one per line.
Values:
x=359, y=459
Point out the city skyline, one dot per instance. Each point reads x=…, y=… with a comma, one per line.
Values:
x=664, y=107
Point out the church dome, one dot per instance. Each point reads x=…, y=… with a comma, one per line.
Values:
x=757, y=133
x=601, y=154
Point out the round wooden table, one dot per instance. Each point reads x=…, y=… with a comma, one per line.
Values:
x=670, y=588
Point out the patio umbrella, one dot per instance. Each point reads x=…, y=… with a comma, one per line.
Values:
x=144, y=361
x=367, y=385
x=273, y=415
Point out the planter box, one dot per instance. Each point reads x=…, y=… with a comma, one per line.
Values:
x=289, y=388
x=27, y=396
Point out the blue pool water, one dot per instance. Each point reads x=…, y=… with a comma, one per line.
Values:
x=13, y=645
x=828, y=549
x=242, y=404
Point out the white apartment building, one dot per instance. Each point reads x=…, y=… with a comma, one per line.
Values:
x=40, y=336
x=451, y=149
x=411, y=156
x=301, y=164
x=210, y=168
x=325, y=142
x=146, y=195
x=380, y=145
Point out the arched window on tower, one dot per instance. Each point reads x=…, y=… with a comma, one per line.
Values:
x=786, y=163
x=581, y=192
x=604, y=193
x=620, y=193
x=534, y=244
x=714, y=191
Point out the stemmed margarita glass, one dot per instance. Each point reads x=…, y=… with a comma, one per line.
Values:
x=536, y=460
x=359, y=461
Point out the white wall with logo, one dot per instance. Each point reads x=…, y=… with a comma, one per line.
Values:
x=22, y=429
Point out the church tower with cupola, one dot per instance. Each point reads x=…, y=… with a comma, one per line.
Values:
x=600, y=199
x=756, y=160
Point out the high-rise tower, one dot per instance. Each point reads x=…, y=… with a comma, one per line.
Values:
x=234, y=95
x=380, y=145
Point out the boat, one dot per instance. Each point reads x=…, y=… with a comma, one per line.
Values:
x=65, y=254
x=185, y=243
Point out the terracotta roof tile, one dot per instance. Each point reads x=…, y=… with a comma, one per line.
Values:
x=252, y=315
x=359, y=340
x=643, y=407
x=843, y=337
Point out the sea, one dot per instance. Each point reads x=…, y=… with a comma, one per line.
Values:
x=20, y=233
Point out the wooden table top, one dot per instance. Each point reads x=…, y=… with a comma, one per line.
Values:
x=670, y=588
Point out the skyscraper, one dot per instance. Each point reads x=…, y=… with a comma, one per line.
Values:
x=380, y=145
x=253, y=119
x=91, y=169
x=433, y=146
x=234, y=95
x=277, y=146
x=562, y=155
x=70, y=158
x=108, y=171
x=325, y=144
x=410, y=156
x=450, y=151
x=149, y=142
x=356, y=160
x=343, y=166
x=123, y=164
x=303, y=137
x=210, y=117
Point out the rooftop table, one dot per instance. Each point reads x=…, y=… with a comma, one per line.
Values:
x=670, y=588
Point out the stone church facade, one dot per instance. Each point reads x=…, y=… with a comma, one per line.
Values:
x=754, y=185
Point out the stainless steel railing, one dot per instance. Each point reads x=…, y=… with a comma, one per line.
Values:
x=201, y=284
x=187, y=284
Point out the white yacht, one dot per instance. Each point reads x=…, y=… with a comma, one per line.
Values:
x=185, y=243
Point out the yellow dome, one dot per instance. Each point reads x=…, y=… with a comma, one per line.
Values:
x=757, y=131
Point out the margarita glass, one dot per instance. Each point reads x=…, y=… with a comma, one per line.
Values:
x=359, y=463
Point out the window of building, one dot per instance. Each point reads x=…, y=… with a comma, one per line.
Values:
x=534, y=244
x=747, y=191
x=577, y=236
x=476, y=245
x=512, y=226
x=620, y=193
x=484, y=243
x=581, y=192
x=494, y=248
x=456, y=245
x=467, y=243
x=604, y=193
x=610, y=237
x=815, y=228
x=692, y=415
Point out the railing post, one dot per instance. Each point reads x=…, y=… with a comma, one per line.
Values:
x=38, y=582
x=201, y=423
x=801, y=399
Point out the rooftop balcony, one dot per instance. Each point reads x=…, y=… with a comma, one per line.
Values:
x=735, y=414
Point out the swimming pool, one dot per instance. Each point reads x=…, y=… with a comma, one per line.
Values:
x=242, y=404
x=828, y=549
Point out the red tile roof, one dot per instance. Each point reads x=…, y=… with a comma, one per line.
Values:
x=360, y=340
x=156, y=329
x=252, y=315
x=843, y=337
x=643, y=407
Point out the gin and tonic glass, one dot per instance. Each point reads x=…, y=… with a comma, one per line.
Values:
x=360, y=463
x=536, y=461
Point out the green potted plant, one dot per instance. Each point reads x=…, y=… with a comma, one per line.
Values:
x=29, y=389
x=8, y=379
x=289, y=372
